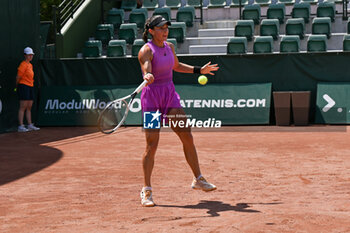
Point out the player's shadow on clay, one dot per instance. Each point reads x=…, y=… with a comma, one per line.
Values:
x=215, y=207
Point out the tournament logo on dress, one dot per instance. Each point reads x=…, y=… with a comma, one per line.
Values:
x=151, y=120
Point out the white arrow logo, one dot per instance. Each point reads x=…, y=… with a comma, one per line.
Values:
x=330, y=103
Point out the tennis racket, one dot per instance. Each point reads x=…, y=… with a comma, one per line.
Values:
x=115, y=113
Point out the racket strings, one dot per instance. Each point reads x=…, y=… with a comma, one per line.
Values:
x=112, y=116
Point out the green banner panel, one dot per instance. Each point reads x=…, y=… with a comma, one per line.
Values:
x=232, y=104
x=75, y=106
x=332, y=104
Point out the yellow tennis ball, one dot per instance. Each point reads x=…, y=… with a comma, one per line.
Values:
x=202, y=80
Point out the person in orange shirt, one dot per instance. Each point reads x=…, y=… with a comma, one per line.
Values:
x=25, y=90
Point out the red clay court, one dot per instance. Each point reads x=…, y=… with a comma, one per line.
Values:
x=269, y=179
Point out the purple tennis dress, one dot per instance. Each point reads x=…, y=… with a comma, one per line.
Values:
x=161, y=94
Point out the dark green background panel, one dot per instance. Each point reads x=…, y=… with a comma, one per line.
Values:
x=19, y=28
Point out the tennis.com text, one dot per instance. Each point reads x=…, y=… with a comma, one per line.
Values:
x=223, y=103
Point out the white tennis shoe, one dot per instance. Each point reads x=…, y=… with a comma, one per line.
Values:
x=21, y=129
x=146, y=197
x=202, y=184
x=32, y=127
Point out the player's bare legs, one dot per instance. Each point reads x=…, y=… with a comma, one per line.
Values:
x=22, y=108
x=29, y=112
x=185, y=135
x=25, y=107
x=152, y=139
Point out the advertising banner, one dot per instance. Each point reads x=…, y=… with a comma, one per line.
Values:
x=332, y=103
x=231, y=104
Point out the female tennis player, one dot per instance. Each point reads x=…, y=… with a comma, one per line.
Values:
x=158, y=60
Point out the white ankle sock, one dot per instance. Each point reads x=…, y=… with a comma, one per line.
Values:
x=147, y=188
x=200, y=176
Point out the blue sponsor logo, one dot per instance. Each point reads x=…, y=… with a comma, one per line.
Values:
x=151, y=120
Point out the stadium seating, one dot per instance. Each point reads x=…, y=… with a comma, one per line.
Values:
x=262, y=2
x=138, y=16
x=317, y=43
x=244, y=28
x=263, y=44
x=174, y=42
x=116, y=48
x=270, y=27
x=237, y=45
x=270, y=20
x=164, y=11
x=136, y=46
x=128, y=32
x=216, y=3
x=322, y=25
x=235, y=3
x=290, y=44
x=173, y=4
x=150, y=4
x=326, y=9
x=346, y=43
x=194, y=3
x=177, y=30
x=252, y=12
x=104, y=32
x=115, y=17
x=295, y=27
x=276, y=11
x=92, y=48
x=128, y=4
x=301, y=10
x=186, y=14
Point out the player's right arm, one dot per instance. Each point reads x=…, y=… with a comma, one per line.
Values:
x=145, y=58
x=17, y=79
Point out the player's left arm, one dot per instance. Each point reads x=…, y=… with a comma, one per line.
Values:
x=184, y=68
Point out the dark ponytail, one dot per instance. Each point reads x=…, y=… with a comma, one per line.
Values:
x=145, y=32
x=145, y=35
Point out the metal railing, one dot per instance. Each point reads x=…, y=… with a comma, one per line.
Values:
x=64, y=12
x=345, y=9
x=201, y=11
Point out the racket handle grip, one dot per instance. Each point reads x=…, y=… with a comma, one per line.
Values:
x=142, y=85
